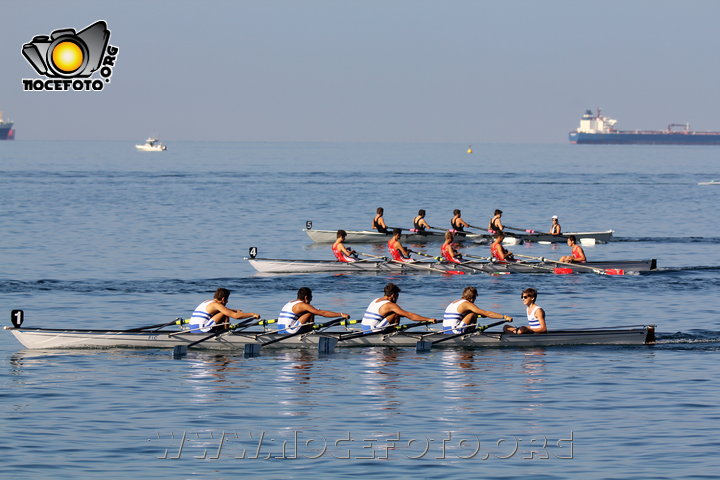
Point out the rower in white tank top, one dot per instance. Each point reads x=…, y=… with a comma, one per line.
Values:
x=288, y=321
x=532, y=320
x=372, y=321
x=452, y=319
x=201, y=320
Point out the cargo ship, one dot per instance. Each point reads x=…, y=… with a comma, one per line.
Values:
x=597, y=129
x=6, y=129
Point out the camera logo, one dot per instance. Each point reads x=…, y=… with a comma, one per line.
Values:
x=68, y=57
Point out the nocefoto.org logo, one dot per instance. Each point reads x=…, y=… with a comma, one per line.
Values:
x=68, y=58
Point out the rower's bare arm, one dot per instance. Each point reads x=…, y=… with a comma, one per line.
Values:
x=324, y=313
x=540, y=315
x=487, y=313
x=240, y=314
x=409, y=315
x=232, y=313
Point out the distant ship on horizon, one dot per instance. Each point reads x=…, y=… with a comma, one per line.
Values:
x=598, y=129
x=6, y=129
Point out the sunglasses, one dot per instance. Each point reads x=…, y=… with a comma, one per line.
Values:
x=526, y=296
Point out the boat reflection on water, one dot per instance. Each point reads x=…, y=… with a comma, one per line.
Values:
x=380, y=374
x=294, y=382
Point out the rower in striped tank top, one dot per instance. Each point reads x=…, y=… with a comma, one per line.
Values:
x=461, y=315
x=535, y=315
x=299, y=314
x=384, y=312
x=213, y=315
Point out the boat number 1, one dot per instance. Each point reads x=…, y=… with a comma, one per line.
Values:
x=17, y=317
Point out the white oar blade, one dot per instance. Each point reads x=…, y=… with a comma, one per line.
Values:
x=587, y=242
x=511, y=241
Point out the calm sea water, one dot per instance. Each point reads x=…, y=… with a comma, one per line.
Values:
x=98, y=235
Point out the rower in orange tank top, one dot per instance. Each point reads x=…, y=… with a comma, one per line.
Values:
x=498, y=252
x=448, y=251
x=577, y=253
x=341, y=252
x=397, y=251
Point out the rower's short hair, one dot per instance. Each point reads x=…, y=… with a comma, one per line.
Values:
x=304, y=292
x=456, y=211
x=449, y=235
x=379, y=210
x=469, y=293
x=421, y=211
x=498, y=212
x=391, y=289
x=499, y=235
x=222, y=293
x=397, y=231
x=341, y=233
x=530, y=291
x=572, y=237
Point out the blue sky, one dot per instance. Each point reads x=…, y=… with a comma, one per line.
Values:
x=394, y=70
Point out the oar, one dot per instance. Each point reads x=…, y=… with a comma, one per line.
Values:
x=180, y=350
x=478, y=258
x=599, y=271
x=478, y=228
x=460, y=264
x=545, y=269
x=439, y=259
x=417, y=267
x=526, y=230
x=372, y=256
x=319, y=326
x=252, y=349
x=464, y=264
x=177, y=321
x=478, y=269
x=388, y=330
x=425, y=346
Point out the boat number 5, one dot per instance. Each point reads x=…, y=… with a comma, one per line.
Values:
x=17, y=317
x=308, y=225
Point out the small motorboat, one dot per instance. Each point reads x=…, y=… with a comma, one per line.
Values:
x=711, y=182
x=151, y=145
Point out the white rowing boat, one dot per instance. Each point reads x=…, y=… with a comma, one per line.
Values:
x=275, y=265
x=49, y=338
x=369, y=236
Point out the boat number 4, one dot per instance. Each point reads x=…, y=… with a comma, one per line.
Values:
x=17, y=317
x=252, y=252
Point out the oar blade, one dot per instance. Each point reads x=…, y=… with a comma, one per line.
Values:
x=326, y=345
x=179, y=351
x=455, y=272
x=562, y=270
x=614, y=271
x=251, y=349
x=423, y=346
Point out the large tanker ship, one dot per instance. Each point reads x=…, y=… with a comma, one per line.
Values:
x=597, y=129
x=6, y=129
